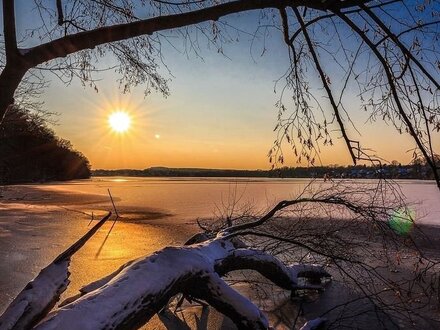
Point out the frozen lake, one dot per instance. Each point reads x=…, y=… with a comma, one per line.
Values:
x=37, y=222
x=186, y=199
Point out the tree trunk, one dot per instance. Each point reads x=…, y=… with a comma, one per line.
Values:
x=10, y=78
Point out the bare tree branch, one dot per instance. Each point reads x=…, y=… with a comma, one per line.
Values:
x=397, y=41
x=393, y=89
x=325, y=82
x=90, y=39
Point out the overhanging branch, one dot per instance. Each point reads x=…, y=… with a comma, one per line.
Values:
x=320, y=18
x=90, y=39
x=399, y=44
x=325, y=84
x=393, y=89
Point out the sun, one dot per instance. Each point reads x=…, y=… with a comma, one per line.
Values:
x=119, y=121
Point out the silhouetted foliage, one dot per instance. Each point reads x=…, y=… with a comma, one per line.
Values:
x=30, y=151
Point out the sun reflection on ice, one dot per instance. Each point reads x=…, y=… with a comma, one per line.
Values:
x=118, y=180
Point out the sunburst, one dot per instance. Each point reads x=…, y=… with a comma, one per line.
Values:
x=119, y=121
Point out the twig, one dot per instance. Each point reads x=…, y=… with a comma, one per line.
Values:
x=114, y=206
x=111, y=228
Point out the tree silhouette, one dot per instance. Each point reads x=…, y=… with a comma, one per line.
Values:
x=30, y=151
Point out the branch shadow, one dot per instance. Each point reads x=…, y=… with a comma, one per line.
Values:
x=105, y=239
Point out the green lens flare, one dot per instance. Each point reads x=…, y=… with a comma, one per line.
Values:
x=402, y=221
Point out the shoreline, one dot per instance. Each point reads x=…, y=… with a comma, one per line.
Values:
x=219, y=178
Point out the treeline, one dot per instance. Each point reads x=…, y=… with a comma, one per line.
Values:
x=396, y=171
x=31, y=152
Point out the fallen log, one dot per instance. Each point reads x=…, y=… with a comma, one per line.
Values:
x=129, y=297
x=41, y=294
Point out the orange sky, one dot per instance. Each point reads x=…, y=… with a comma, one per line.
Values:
x=220, y=114
x=184, y=130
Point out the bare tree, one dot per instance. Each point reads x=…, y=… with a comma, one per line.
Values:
x=388, y=48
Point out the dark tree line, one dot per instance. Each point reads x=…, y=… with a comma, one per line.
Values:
x=30, y=151
x=416, y=170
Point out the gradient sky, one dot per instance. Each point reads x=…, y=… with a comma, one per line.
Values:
x=220, y=114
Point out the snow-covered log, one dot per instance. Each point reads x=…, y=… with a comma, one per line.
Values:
x=130, y=296
x=270, y=267
x=40, y=295
x=226, y=300
x=314, y=324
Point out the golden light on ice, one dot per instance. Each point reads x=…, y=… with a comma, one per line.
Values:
x=119, y=121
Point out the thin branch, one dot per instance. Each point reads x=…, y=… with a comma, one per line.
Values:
x=60, y=12
x=332, y=200
x=392, y=85
x=352, y=11
x=325, y=83
x=399, y=44
x=113, y=203
x=416, y=27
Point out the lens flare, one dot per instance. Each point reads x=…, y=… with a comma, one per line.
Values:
x=402, y=221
